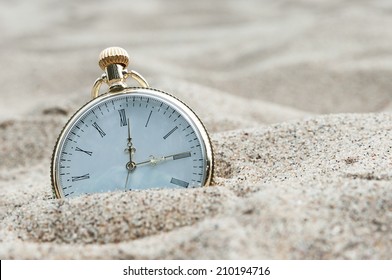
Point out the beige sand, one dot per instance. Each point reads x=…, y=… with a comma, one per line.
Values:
x=299, y=113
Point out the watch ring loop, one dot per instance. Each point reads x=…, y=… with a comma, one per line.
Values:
x=133, y=74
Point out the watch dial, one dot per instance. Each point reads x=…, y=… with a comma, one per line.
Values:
x=130, y=141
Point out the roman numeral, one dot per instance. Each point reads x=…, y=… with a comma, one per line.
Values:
x=123, y=117
x=179, y=182
x=148, y=120
x=101, y=132
x=78, y=178
x=170, y=132
x=182, y=155
x=77, y=149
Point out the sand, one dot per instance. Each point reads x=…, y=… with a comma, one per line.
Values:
x=299, y=112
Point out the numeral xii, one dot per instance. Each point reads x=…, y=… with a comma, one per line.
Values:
x=123, y=117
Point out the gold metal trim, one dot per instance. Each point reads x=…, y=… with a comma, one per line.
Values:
x=181, y=106
x=132, y=74
x=97, y=86
x=136, y=76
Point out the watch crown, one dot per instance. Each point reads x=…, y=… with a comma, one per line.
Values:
x=113, y=55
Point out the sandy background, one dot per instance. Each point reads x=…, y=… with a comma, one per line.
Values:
x=299, y=109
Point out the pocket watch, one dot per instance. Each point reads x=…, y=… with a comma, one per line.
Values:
x=130, y=138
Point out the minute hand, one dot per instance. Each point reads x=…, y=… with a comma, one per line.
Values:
x=155, y=160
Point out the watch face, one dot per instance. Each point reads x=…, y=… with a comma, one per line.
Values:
x=135, y=140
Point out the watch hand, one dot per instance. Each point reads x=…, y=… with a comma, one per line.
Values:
x=131, y=150
x=130, y=166
x=152, y=161
x=126, y=181
x=155, y=160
